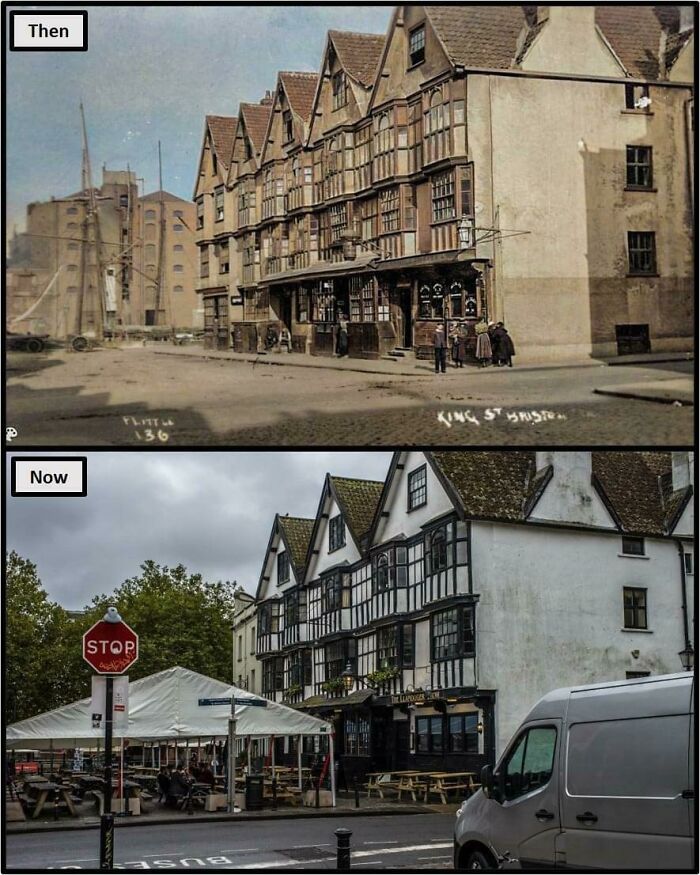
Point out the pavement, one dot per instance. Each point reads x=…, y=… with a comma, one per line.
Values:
x=417, y=842
x=673, y=391
x=158, y=816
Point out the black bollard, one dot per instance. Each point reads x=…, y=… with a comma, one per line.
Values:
x=357, y=792
x=190, y=809
x=343, y=837
x=317, y=803
x=274, y=794
x=107, y=842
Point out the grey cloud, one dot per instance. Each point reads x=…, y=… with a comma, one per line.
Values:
x=212, y=512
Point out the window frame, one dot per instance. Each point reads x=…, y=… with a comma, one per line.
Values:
x=419, y=29
x=525, y=734
x=635, y=608
x=465, y=646
x=636, y=253
x=627, y=540
x=339, y=95
x=410, y=491
x=468, y=747
x=336, y=533
x=636, y=167
x=283, y=567
x=428, y=720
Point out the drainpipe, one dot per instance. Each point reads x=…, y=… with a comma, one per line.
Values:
x=684, y=597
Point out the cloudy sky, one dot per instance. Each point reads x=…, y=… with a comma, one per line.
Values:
x=212, y=512
x=153, y=72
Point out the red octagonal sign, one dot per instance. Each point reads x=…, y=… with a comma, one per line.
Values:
x=110, y=648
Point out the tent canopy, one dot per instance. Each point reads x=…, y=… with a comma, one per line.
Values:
x=165, y=706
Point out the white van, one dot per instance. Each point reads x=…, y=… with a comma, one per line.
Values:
x=598, y=777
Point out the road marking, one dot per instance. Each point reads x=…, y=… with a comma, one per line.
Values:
x=403, y=849
x=383, y=843
x=232, y=851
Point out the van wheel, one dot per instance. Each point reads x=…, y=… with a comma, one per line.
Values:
x=35, y=344
x=478, y=860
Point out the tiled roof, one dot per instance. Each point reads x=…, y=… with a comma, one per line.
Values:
x=358, y=53
x=223, y=132
x=487, y=36
x=674, y=44
x=166, y=195
x=489, y=484
x=358, y=501
x=634, y=32
x=478, y=35
x=297, y=534
x=256, y=117
x=502, y=486
x=300, y=88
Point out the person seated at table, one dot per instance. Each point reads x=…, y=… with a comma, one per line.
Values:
x=179, y=783
x=206, y=776
x=164, y=783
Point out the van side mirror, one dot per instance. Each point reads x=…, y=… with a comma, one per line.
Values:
x=487, y=781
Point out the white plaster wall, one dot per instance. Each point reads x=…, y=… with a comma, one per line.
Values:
x=685, y=527
x=400, y=521
x=550, y=613
x=570, y=43
x=422, y=655
x=569, y=496
x=324, y=559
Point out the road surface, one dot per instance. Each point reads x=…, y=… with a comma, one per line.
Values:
x=142, y=397
x=412, y=841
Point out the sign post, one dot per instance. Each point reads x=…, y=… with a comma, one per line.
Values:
x=109, y=648
x=231, y=765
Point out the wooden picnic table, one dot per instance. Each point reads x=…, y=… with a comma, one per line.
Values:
x=42, y=791
x=441, y=783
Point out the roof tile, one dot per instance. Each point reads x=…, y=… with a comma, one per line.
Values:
x=358, y=500
x=300, y=89
x=297, y=534
x=256, y=117
x=223, y=132
x=358, y=53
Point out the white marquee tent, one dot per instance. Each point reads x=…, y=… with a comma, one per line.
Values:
x=175, y=705
x=166, y=707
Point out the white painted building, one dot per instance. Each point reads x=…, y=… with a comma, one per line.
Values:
x=247, y=670
x=469, y=584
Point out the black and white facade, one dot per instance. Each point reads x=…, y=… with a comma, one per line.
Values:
x=469, y=584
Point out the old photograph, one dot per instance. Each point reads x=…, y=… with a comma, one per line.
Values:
x=325, y=225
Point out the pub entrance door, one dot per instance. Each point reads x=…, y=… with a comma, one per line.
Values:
x=216, y=322
x=406, y=318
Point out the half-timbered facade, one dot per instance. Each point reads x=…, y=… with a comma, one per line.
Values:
x=469, y=584
x=428, y=180
x=216, y=269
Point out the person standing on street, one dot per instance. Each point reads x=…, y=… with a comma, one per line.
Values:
x=440, y=344
x=483, y=346
x=506, y=348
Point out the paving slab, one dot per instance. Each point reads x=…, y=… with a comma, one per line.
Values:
x=674, y=391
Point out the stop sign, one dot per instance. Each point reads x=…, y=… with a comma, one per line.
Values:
x=110, y=648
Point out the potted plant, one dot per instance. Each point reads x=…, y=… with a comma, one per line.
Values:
x=382, y=676
x=334, y=686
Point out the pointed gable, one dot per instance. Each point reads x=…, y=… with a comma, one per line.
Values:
x=223, y=133
x=634, y=33
x=478, y=35
x=216, y=152
x=295, y=94
x=356, y=55
x=356, y=502
x=256, y=117
x=291, y=535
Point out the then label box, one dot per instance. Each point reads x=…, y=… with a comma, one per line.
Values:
x=47, y=476
x=59, y=31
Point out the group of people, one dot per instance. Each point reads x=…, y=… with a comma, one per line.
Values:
x=494, y=346
x=176, y=782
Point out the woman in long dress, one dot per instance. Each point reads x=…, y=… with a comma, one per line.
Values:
x=484, y=351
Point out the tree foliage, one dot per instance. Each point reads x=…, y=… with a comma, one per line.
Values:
x=180, y=619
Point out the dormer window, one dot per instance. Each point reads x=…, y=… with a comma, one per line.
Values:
x=247, y=150
x=219, y=203
x=382, y=572
x=339, y=84
x=336, y=534
x=283, y=567
x=632, y=546
x=416, y=46
x=288, y=124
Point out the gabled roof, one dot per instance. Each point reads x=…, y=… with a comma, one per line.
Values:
x=300, y=89
x=478, y=35
x=165, y=195
x=358, y=501
x=485, y=36
x=674, y=44
x=358, y=53
x=634, y=32
x=296, y=533
x=223, y=133
x=256, y=117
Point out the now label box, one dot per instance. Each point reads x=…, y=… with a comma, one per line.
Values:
x=62, y=476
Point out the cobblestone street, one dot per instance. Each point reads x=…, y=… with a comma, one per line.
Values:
x=143, y=397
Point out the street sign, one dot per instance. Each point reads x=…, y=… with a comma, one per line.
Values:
x=120, y=703
x=260, y=703
x=110, y=648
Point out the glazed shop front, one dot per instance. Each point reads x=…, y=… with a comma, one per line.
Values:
x=408, y=731
x=387, y=306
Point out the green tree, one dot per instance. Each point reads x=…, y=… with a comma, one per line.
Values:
x=180, y=620
x=36, y=632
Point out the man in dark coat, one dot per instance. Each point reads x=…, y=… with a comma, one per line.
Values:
x=440, y=344
x=499, y=344
x=506, y=347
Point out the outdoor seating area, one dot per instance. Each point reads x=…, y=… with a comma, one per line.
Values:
x=421, y=786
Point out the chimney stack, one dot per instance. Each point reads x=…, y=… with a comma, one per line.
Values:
x=682, y=470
